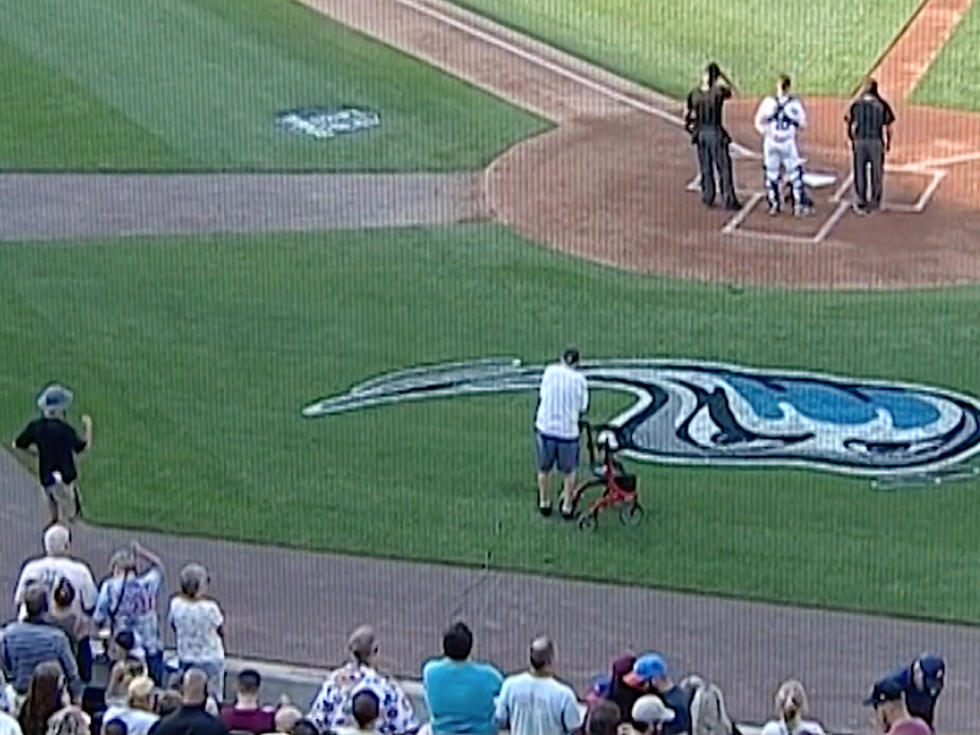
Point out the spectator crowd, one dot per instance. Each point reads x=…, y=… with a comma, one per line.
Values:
x=60, y=615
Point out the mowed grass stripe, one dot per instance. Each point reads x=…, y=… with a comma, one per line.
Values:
x=207, y=77
x=41, y=112
x=953, y=80
x=197, y=397
x=824, y=44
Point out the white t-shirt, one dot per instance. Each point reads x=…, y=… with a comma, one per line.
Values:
x=537, y=705
x=564, y=397
x=137, y=721
x=8, y=725
x=49, y=570
x=196, y=624
x=803, y=727
x=780, y=118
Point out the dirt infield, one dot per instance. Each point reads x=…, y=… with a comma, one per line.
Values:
x=616, y=189
x=611, y=182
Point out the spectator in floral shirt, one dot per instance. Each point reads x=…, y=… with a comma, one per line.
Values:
x=199, y=625
x=128, y=602
x=333, y=706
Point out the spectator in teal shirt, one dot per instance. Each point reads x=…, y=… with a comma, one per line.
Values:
x=460, y=693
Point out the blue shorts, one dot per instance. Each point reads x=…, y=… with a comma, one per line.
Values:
x=552, y=451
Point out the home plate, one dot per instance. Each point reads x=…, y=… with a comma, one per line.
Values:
x=818, y=181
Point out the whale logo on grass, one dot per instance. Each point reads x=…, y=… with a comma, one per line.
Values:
x=698, y=413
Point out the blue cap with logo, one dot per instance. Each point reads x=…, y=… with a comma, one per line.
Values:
x=646, y=667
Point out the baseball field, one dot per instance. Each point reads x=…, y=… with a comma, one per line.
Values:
x=196, y=353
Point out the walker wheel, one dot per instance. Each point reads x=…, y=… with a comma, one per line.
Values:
x=588, y=522
x=631, y=515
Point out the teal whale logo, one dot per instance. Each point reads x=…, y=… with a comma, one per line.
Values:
x=699, y=413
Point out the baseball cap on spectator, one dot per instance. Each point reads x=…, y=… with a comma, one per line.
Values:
x=933, y=671
x=885, y=690
x=647, y=667
x=651, y=710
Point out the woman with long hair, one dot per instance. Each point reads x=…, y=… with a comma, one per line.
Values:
x=46, y=694
x=791, y=706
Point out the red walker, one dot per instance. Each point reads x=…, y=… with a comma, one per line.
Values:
x=619, y=486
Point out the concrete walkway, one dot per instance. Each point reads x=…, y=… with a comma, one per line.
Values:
x=53, y=206
x=298, y=607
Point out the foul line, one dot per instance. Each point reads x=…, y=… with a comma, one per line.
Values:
x=558, y=69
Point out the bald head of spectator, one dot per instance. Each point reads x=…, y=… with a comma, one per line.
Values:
x=194, y=688
x=363, y=645
x=287, y=717
x=542, y=656
x=366, y=708
x=35, y=601
x=57, y=540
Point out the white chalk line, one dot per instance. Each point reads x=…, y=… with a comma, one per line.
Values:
x=558, y=69
x=744, y=212
x=831, y=222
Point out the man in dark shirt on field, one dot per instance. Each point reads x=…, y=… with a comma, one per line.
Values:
x=703, y=120
x=56, y=443
x=869, y=128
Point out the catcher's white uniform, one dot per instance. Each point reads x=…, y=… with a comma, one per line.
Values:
x=778, y=119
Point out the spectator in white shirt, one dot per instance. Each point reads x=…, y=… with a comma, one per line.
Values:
x=535, y=702
x=138, y=714
x=563, y=399
x=199, y=626
x=55, y=565
x=333, y=708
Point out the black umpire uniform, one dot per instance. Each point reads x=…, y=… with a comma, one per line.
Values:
x=869, y=124
x=703, y=121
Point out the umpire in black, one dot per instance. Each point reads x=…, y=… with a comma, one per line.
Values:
x=869, y=128
x=703, y=120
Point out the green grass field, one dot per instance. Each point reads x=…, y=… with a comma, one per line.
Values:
x=195, y=84
x=953, y=80
x=825, y=45
x=197, y=395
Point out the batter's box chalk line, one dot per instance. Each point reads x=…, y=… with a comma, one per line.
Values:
x=935, y=179
x=733, y=226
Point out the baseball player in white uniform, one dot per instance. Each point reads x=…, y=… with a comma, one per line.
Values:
x=778, y=119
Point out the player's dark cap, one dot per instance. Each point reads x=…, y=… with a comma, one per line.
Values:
x=933, y=671
x=886, y=690
x=570, y=355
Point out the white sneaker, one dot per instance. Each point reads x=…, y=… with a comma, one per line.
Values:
x=773, y=210
x=803, y=210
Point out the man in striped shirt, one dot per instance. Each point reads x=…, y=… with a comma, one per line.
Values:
x=563, y=398
x=25, y=644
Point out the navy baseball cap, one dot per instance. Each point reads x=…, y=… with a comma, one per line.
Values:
x=933, y=671
x=886, y=690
